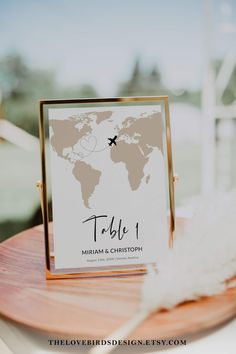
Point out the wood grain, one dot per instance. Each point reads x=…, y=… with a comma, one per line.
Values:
x=90, y=308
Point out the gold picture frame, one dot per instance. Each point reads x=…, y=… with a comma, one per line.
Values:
x=51, y=273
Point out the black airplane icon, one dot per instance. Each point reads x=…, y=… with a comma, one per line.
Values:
x=112, y=140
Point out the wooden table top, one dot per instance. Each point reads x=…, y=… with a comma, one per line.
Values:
x=90, y=308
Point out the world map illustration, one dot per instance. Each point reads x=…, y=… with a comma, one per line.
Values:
x=74, y=139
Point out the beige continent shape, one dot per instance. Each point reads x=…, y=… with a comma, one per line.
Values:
x=65, y=134
x=147, y=132
x=133, y=159
x=88, y=178
x=148, y=129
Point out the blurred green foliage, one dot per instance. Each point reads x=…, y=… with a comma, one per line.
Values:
x=149, y=82
x=22, y=86
x=20, y=169
x=229, y=94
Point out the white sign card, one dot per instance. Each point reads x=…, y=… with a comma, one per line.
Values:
x=109, y=190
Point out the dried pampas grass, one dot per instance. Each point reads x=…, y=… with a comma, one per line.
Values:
x=202, y=260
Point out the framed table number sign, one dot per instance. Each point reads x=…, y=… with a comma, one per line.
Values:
x=108, y=166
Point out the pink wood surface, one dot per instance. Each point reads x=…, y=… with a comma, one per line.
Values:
x=90, y=308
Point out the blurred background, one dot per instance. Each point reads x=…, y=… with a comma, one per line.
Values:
x=71, y=49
